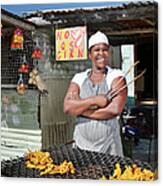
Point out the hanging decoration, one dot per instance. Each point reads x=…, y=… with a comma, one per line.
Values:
x=36, y=80
x=36, y=54
x=21, y=86
x=17, y=40
x=24, y=67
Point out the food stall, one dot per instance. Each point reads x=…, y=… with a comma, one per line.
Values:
x=132, y=31
x=131, y=24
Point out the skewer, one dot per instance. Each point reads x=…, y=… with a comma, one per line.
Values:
x=111, y=95
x=120, y=80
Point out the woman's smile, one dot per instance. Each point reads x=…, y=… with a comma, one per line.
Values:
x=100, y=59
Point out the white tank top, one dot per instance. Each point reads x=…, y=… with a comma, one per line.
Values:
x=97, y=135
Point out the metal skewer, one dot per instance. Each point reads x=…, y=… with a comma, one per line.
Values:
x=112, y=94
x=121, y=79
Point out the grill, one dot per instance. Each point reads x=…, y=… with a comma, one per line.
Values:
x=88, y=165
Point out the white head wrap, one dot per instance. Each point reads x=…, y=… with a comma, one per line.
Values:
x=97, y=38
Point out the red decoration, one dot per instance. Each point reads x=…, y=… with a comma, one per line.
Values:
x=24, y=67
x=37, y=54
x=17, y=39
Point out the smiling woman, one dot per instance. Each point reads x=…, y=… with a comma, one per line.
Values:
x=97, y=126
x=99, y=54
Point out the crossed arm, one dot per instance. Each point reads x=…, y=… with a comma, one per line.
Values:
x=105, y=109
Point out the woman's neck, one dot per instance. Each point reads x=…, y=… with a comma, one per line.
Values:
x=97, y=75
x=96, y=71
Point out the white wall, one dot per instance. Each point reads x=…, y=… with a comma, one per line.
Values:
x=127, y=61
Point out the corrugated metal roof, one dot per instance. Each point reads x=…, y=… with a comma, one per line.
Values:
x=132, y=19
x=10, y=19
x=92, y=9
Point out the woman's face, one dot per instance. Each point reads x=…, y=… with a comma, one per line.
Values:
x=99, y=54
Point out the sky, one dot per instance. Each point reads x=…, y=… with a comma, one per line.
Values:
x=19, y=9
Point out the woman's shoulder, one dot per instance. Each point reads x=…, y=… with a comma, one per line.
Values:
x=80, y=77
x=114, y=71
x=112, y=74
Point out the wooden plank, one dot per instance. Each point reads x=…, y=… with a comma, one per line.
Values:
x=131, y=32
x=52, y=105
x=17, y=22
x=54, y=122
x=22, y=131
x=16, y=142
x=8, y=152
x=57, y=133
x=8, y=86
x=151, y=23
x=16, y=149
x=20, y=136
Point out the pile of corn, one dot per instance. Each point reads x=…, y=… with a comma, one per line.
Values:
x=131, y=173
x=43, y=162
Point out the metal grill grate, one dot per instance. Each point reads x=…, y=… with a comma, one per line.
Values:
x=88, y=165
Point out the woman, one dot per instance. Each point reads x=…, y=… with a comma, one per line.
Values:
x=97, y=127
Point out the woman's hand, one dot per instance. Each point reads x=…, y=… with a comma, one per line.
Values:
x=101, y=101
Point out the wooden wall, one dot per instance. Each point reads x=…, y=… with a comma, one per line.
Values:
x=57, y=127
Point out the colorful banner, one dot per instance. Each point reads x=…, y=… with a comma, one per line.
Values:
x=71, y=43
